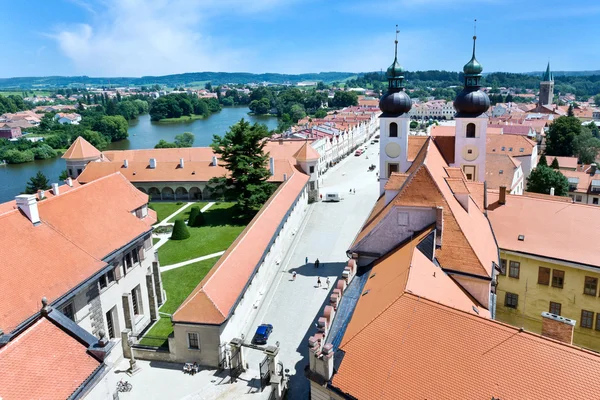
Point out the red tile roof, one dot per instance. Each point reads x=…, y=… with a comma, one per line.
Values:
x=552, y=229
x=306, y=153
x=214, y=298
x=500, y=170
x=43, y=362
x=78, y=229
x=81, y=149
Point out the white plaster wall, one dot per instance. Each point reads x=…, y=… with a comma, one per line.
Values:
x=247, y=308
x=479, y=141
x=403, y=122
x=208, y=336
x=388, y=234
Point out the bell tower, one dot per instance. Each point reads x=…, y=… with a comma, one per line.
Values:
x=547, y=88
x=394, y=123
x=471, y=122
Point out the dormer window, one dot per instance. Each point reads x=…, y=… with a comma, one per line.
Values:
x=470, y=130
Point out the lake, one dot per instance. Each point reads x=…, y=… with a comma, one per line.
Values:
x=143, y=134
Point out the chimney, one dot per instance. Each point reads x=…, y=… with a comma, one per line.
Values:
x=55, y=189
x=153, y=163
x=593, y=168
x=42, y=194
x=284, y=177
x=69, y=182
x=272, y=165
x=502, y=198
x=439, y=226
x=181, y=163
x=125, y=163
x=551, y=191
x=557, y=327
x=28, y=205
x=214, y=161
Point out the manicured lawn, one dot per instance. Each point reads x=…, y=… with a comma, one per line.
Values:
x=218, y=233
x=155, y=240
x=178, y=283
x=185, y=214
x=164, y=209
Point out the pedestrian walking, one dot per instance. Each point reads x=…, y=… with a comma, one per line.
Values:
x=318, y=281
x=354, y=191
x=317, y=263
x=306, y=260
x=294, y=275
x=327, y=282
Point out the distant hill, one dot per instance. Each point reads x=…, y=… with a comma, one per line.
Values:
x=566, y=73
x=216, y=78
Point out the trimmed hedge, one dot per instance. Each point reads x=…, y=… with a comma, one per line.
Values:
x=193, y=215
x=180, y=231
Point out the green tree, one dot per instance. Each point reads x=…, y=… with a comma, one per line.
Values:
x=208, y=86
x=113, y=127
x=96, y=139
x=242, y=152
x=63, y=175
x=561, y=135
x=297, y=112
x=43, y=152
x=586, y=146
x=14, y=156
x=543, y=178
x=543, y=161
x=260, y=107
x=414, y=124
x=37, y=182
x=594, y=129
x=193, y=215
x=180, y=231
x=321, y=86
x=597, y=100
x=186, y=139
x=163, y=144
x=344, y=99
x=570, y=112
x=554, y=164
x=320, y=113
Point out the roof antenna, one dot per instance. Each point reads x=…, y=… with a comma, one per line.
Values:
x=396, y=43
x=474, y=35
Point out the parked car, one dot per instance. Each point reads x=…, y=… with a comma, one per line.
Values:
x=376, y=140
x=358, y=152
x=333, y=197
x=373, y=141
x=262, y=334
x=376, y=136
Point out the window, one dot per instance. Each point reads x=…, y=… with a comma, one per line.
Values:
x=543, y=276
x=503, y=266
x=578, y=198
x=514, y=269
x=393, y=129
x=510, y=149
x=103, y=282
x=136, y=256
x=403, y=218
x=79, y=171
x=558, y=278
x=69, y=311
x=193, y=342
x=134, y=300
x=503, y=148
x=471, y=130
x=591, y=285
x=595, y=201
x=392, y=168
x=587, y=319
x=521, y=150
x=555, y=308
x=110, y=324
x=469, y=171
x=311, y=185
x=470, y=151
x=598, y=322
x=312, y=169
x=128, y=263
x=501, y=172
x=70, y=172
x=511, y=300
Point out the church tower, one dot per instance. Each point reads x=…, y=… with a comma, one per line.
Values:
x=394, y=124
x=471, y=123
x=547, y=88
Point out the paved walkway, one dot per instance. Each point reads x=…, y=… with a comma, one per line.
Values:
x=328, y=230
x=188, y=262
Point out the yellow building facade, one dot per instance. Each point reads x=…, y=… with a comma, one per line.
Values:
x=530, y=285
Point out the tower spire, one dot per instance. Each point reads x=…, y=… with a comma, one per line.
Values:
x=474, y=35
x=396, y=43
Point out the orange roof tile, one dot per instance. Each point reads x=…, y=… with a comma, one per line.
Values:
x=510, y=144
x=81, y=149
x=500, y=170
x=414, y=339
x=395, y=181
x=306, y=153
x=457, y=185
x=43, y=362
x=551, y=228
x=73, y=243
x=563, y=162
x=415, y=143
x=548, y=197
x=214, y=298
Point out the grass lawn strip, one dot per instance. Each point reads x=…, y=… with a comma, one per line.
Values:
x=186, y=213
x=217, y=235
x=163, y=210
x=178, y=283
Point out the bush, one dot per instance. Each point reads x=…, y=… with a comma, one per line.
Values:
x=180, y=231
x=14, y=156
x=43, y=152
x=199, y=221
x=193, y=215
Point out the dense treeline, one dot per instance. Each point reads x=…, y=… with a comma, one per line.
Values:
x=182, y=104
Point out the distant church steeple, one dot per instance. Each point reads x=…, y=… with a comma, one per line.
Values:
x=547, y=87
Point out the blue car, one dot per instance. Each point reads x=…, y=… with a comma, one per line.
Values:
x=262, y=334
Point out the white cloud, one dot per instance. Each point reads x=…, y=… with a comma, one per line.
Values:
x=148, y=37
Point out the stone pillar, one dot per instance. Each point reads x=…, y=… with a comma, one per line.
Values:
x=236, y=344
x=125, y=342
x=277, y=381
x=128, y=312
x=158, y=287
x=151, y=297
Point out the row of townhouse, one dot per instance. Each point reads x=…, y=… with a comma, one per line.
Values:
x=435, y=109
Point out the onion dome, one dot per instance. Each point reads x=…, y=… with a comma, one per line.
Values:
x=472, y=101
x=395, y=102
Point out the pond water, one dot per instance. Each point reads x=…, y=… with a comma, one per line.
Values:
x=143, y=134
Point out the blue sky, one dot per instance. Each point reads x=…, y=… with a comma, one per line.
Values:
x=158, y=37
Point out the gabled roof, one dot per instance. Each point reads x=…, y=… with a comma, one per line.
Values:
x=213, y=299
x=306, y=153
x=78, y=230
x=514, y=145
x=44, y=362
x=500, y=170
x=81, y=149
x=468, y=243
x=395, y=181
